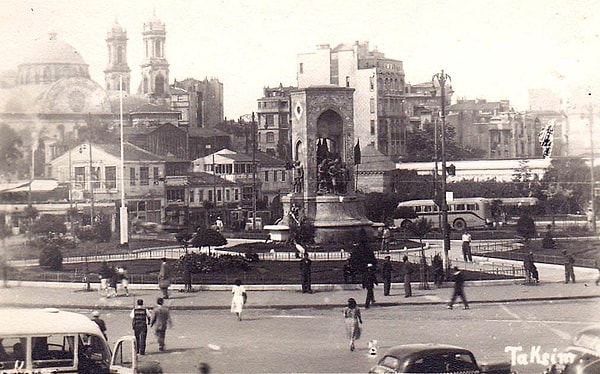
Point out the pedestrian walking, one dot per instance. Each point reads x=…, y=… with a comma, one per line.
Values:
x=348, y=272
x=164, y=278
x=569, y=267
x=105, y=275
x=352, y=322
x=407, y=270
x=385, y=239
x=100, y=322
x=438, y=270
x=459, y=289
x=528, y=267
x=239, y=298
x=161, y=318
x=305, y=271
x=386, y=272
x=124, y=279
x=369, y=283
x=140, y=318
x=113, y=281
x=466, y=246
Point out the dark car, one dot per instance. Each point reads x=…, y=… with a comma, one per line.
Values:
x=434, y=358
x=583, y=357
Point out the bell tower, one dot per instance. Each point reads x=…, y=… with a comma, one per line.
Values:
x=155, y=68
x=117, y=67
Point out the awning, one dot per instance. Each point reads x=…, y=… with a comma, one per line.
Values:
x=37, y=185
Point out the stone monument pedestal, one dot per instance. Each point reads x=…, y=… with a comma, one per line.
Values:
x=336, y=218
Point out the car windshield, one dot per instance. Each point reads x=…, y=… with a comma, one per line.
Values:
x=390, y=362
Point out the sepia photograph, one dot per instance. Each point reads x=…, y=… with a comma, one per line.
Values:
x=229, y=186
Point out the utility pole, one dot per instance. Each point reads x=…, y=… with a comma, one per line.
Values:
x=441, y=79
x=254, y=129
x=592, y=180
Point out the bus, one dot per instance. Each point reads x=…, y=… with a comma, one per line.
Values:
x=472, y=212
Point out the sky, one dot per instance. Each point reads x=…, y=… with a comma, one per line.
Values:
x=491, y=49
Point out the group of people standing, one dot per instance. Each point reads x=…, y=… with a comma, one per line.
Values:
x=111, y=277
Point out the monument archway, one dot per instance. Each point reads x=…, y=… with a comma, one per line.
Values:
x=329, y=135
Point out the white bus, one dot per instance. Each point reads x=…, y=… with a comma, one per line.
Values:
x=472, y=212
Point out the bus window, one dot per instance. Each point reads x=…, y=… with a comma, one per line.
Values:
x=418, y=208
x=428, y=208
x=460, y=207
x=472, y=206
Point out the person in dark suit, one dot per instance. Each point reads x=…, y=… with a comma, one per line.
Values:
x=407, y=269
x=386, y=272
x=140, y=318
x=369, y=282
x=305, y=271
x=459, y=289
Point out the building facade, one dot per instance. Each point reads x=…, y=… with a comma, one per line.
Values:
x=205, y=101
x=273, y=121
x=379, y=88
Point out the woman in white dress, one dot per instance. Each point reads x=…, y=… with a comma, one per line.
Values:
x=239, y=298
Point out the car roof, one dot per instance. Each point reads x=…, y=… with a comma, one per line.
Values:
x=419, y=349
x=44, y=322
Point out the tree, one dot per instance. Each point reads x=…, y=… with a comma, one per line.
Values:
x=11, y=151
x=380, y=207
x=571, y=174
x=420, y=228
x=557, y=199
x=420, y=145
x=49, y=223
x=526, y=227
x=208, y=238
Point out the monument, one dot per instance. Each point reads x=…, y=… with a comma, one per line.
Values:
x=322, y=136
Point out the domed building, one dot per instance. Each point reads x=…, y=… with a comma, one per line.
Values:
x=52, y=98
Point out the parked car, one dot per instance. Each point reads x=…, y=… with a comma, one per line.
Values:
x=583, y=357
x=434, y=358
x=53, y=341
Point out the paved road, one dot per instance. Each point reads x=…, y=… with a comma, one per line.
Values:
x=312, y=340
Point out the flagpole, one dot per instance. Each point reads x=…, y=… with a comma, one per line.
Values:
x=123, y=215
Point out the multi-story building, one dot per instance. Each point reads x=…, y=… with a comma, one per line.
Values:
x=273, y=121
x=94, y=176
x=205, y=101
x=379, y=87
x=274, y=178
x=503, y=133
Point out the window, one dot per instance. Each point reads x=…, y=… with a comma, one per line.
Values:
x=247, y=192
x=132, y=177
x=274, y=175
x=192, y=194
x=236, y=194
x=210, y=195
x=155, y=174
x=269, y=120
x=301, y=68
x=372, y=83
x=110, y=177
x=219, y=195
x=227, y=195
x=472, y=206
x=372, y=127
x=53, y=351
x=80, y=176
x=200, y=195
x=283, y=175
x=144, y=176
x=460, y=207
x=270, y=137
x=176, y=195
x=266, y=176
x=372, y=105
x=15, y=349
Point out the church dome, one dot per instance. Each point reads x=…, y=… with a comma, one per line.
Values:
x=49, y=60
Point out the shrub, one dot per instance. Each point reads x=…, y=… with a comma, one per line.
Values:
x=51, y=258
x=526, y=226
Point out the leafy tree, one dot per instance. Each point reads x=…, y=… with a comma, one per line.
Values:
x=49, y=223
x=361, y=255
x=380, y=207
x=420, y=228
x=526, y=227
x=184, y=237
x=420, y=145
x=557, y=199
x=11, y=151
x=572, y=174
x=102, y=231
x=50, y=254
x=208, y=238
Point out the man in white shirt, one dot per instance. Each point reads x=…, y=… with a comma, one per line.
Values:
x=466, y=246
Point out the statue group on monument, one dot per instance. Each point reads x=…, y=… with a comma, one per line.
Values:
x=332, y=174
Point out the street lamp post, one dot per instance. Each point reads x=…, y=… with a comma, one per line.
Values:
x=442, y=78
